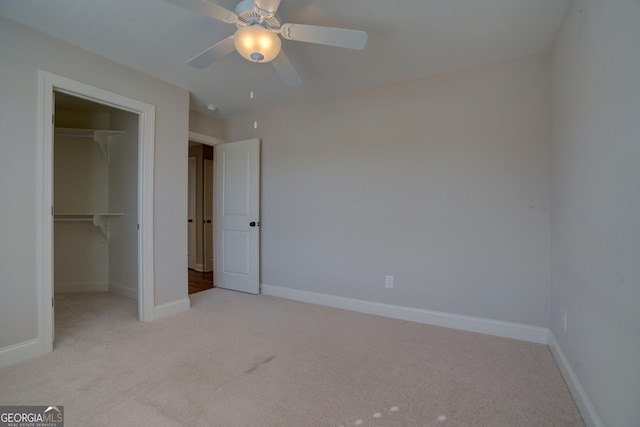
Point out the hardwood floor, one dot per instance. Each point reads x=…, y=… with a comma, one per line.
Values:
x=199, y=281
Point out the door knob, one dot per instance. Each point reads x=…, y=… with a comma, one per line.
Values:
x=254, y=224
x=189, y=220
x=208, y=221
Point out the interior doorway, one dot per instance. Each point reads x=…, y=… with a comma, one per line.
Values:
x=140, y=118
x=200, y=207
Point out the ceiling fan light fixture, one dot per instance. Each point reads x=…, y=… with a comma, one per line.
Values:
x=257, y=44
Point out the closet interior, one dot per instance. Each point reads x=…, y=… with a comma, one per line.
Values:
x=95, y=194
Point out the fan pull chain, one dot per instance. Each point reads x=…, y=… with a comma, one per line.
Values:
x=255, y=110
x=254, y=98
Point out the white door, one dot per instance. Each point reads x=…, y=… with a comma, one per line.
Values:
x=208, y=215
x=191, y=215
x=237, y=195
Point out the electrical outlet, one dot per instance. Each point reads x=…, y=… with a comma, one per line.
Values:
x=388, y=282
x=564, y=320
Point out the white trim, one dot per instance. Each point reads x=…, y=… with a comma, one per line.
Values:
x=71, y=287
x=124, y=290
x=18, y=352
x=584, y=404
x=146, y=164
x=204, y=139
x=44, y=204
x=47, y=83
x=499, y=328
x=171, y=308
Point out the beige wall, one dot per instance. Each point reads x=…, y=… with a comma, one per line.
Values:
x=442, y=182
x=29, y=51
x=595, y=258
x=207, y=125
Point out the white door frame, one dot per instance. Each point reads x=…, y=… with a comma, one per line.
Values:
x=191, y=215
x=47, y=83
x=204, y=139
x=208, y=219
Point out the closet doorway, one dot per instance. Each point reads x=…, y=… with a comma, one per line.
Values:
x=95, y=160
x=97, y=234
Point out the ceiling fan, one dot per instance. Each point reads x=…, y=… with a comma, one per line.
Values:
x=256, y=38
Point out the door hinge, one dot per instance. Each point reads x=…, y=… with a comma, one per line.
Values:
x=51, y=210
x=52, y=304
x=138, y=225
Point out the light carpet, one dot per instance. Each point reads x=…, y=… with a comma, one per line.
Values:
x=244, y=360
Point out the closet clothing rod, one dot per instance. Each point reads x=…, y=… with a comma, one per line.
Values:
x=73, y=219
x=75, y=135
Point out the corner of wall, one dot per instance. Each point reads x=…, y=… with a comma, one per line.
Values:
x=584, y=404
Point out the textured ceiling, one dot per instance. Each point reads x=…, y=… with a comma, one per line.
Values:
x=408, y=39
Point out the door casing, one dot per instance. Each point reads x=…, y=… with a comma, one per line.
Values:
x=207, y=198
x=47, y=84
x=191, y=216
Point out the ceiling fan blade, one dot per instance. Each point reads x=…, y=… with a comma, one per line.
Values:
x=212, y=54
x=268, y=5
x=285, y=69
x=203, y=7
x=339, y=37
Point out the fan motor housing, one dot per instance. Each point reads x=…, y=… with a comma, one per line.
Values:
x=249, y=13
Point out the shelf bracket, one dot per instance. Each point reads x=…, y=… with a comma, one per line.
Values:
x=103, y=142
x=101, y=222
x=103, y=138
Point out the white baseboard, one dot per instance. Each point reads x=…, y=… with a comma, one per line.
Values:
x=81, y=287
x=467, y=323
x=584, y=404
x=124, y=290
x=171, y=308
x=200, y=267
x=18, y=352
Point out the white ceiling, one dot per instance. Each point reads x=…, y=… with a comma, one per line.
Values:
x=408, y=39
